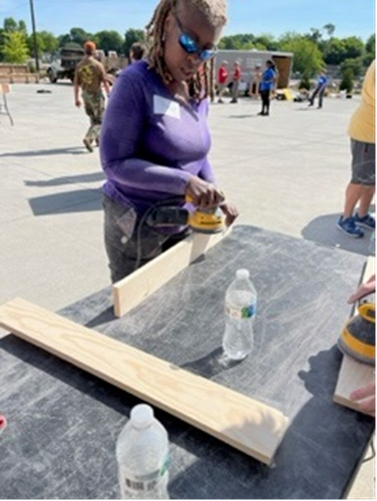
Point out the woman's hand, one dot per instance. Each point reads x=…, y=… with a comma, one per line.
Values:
x=230, y=211
x=365, y=398
x=368, y=288
x=203, y=194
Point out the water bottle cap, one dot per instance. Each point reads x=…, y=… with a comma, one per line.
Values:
x=242, y=274
x=142, y=415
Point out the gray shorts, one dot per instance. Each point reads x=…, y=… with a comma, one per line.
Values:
x=363, y=163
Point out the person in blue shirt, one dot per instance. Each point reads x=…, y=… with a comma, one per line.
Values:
x=320, y=89
x=266, y=86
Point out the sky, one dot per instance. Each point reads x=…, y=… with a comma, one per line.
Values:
x=274, y=17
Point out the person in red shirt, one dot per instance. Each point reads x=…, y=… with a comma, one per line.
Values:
x=223, y=77
x=237, y=74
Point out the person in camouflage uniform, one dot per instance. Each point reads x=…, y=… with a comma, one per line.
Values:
x=90, y=74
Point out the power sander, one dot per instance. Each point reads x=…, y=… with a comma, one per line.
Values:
x=202, y=220
x=358, y=339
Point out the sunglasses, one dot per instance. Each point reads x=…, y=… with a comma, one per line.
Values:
x=191, y=46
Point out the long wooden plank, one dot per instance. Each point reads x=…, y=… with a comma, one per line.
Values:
x=354, y=374
x=244, y=423
x=130, y=291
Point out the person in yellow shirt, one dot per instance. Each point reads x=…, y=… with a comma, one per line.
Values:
x=361, y=188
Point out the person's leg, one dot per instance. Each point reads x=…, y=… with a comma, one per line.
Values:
x=366, y=198
x=235, y=88
x=367, y=175
x=128, y=244
x=360, y=187
x=320, y=98
x=221, y=92
x=268, y=102
x=311, y=99
x=264, y=96
x=90, y=111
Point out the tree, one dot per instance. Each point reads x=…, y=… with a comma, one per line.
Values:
x=370, y=51
x=354, y=47
x=109, y=40
x=15, y=48
x=353, y=67
x=77, y=36
x=335, y=51
x=46, y=41
x=347, y=81
x=307, y=58
x=131, y=36
x=10, y=25
x=330, y=29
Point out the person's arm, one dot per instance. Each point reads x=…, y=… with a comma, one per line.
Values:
x=367, y=288
x=76, y=89
x=105, y=80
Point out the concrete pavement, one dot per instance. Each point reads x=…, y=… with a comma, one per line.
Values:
x=286, y=172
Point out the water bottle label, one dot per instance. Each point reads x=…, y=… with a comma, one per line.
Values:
x=237, y=314
x=143, y=483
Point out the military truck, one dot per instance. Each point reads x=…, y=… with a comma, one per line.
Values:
x=65, y=66
x=70, y=57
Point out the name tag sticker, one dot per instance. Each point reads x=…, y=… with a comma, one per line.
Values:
x=162, y=106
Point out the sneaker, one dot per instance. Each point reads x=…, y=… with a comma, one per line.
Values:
x=349, y=227
x=88, y=144
x=367, y=221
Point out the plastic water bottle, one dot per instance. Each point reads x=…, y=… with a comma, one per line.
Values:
x=142, y=452
x=240, y=310
x=372, y=244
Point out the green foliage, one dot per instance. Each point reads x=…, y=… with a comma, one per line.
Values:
x=131, y=36
x=347, y=81
x=109, y=40
x=370, y=51
x=305, y=82
x=46, y=41
x=15, y=48
x=307, y=57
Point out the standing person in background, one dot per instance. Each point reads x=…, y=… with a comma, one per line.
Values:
x=236, y=78
x=266, y=86
x=222, y=79
x=155, y=139
x=90, y=75
x=361, y=189
x=254, y=90
x=322, y=84
x=137, y=52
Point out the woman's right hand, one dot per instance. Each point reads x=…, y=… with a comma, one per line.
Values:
x=203, y=194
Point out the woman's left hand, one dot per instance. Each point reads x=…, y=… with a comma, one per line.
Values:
x=230, y=211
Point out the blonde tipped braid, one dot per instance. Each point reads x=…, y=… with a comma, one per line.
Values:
x=202, y=84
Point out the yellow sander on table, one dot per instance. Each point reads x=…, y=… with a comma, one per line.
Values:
x=358, y=339
x=200, y=219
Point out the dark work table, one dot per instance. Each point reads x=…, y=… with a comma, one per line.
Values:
x=63, y=422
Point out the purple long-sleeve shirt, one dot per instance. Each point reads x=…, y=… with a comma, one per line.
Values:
x=151, y=143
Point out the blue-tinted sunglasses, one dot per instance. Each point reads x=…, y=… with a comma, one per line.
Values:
x=191, y=46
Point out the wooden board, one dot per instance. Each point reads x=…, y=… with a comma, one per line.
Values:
x=131, y=290
x=354, y=374
x=246, y=424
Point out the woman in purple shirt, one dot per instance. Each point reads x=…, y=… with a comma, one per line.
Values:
x=155, y=139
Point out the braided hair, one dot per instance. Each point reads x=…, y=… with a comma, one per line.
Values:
x=202, y=84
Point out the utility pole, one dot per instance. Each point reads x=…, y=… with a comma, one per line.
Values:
x=34, y=36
